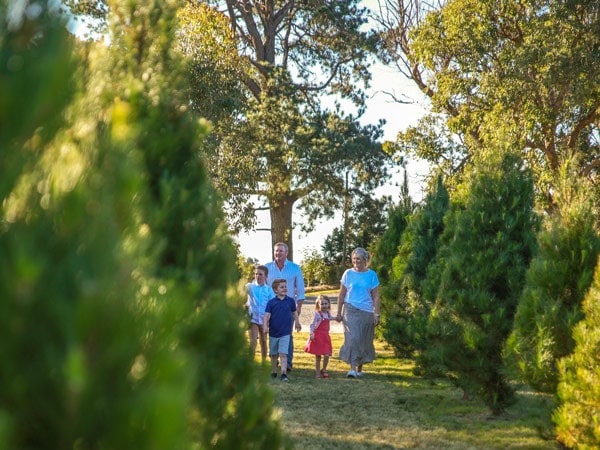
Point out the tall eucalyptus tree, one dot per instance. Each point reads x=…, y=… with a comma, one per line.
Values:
x=530, y=69
x=285, y=147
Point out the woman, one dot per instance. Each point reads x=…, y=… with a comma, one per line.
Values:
x=358, y=306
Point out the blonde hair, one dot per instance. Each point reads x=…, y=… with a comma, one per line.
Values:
x=320, y=298
x=362, y=254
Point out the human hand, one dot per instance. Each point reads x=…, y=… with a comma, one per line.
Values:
x=298, y=326
x=376, y=319
x=338, y=318
x=312, y=337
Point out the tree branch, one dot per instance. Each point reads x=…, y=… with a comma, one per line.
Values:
x=584, y=122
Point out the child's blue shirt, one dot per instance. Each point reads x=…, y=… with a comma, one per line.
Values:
x=282, y=317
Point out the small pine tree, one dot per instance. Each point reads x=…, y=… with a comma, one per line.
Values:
x=118, y=324
x=488, y=244
x=195, y=258
x=577, y=417
x=385, y=247
x=405, y=307
x=557, y=281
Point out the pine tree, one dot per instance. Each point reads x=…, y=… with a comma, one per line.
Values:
x=196, y=261
x=577, y=416
x=405, y=307
x=386, y=247
x=557, y=280
x=118, y=324
x=71, y=335
x=488, y=244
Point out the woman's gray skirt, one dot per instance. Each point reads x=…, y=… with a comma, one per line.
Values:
x=359, y=332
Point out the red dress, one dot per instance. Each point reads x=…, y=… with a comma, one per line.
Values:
x=322, y=342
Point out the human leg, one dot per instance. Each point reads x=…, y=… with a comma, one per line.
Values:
x=290, y=353
x=324, y=373
x=263, y=342
x=282, y=346
x=253, y=332
x=273, y=351
x=317, y=366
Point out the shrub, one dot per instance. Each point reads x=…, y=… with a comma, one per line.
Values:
x=486, y=248
x=557, y=280
x=577, y=417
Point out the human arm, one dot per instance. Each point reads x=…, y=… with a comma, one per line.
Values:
x=300, y=294
x=315, y=324
x=376, y=305
x=340, y=302
x=297, y=321
x=266, y=322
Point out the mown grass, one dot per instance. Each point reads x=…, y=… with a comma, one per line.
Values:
x=390, y=408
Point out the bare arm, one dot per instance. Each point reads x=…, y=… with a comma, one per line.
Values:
x=376, y=305
x=315, y=324
x=297, y=321
x=340, y=302
x=266, y=322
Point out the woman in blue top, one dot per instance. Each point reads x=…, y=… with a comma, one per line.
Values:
x=358, y=307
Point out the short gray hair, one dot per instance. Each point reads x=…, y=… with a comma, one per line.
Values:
x=281, y=244
x=362, y=254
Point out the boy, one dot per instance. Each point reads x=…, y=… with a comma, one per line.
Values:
x=259, y=294
x=277, y=322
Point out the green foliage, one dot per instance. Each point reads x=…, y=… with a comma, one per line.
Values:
x=530, y=69
x=557, y=280
x=274, y=146
x=386, y=246
x=579, y=379
x=39, y=70
x=315, y=269
x=191, y=244
x=215, y=69
x=119, y=326
x=406, y=307
x=76, y=371
x=486, y=248
x=365, y=224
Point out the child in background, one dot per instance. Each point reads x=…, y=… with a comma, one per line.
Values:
x=319, y=343
x=279, y=313
x=259, y=294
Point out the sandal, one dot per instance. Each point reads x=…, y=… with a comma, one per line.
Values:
x=324, y=374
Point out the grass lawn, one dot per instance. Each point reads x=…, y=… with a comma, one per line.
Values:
x=392, y=409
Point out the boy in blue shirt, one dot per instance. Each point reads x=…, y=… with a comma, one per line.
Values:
x=279, y=313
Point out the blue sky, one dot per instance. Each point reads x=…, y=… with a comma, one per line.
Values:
x=379, y=106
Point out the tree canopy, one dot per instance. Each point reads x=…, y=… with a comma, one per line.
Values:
x=283, y=148
x=530, y=69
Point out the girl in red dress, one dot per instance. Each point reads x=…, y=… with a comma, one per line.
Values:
x=319, y=343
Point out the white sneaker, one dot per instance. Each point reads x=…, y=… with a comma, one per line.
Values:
x=351, y=374
x=359, y=374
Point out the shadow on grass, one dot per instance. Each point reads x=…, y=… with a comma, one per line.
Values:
x=390, y=408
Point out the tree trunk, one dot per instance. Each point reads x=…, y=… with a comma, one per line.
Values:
x=281, y=222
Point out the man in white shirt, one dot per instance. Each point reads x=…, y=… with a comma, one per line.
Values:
x=281, y=267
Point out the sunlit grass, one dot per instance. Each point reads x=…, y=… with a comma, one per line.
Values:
x=390, y=408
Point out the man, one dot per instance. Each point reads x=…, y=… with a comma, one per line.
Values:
x=291, y=272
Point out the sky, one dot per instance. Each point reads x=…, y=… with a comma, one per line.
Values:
x=257, y=245
x=398, y=117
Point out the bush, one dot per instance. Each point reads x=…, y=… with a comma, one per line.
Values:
x=119, y=327
x=557, y=280
x=486, y=247
x=577, y=417
x=405, y=308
